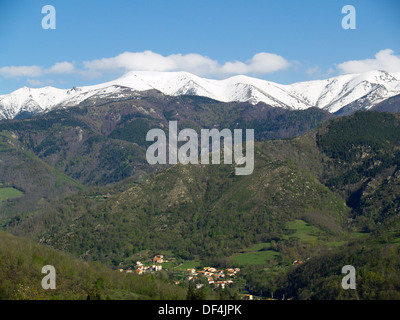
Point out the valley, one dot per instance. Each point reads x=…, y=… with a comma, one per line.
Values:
x=199, y=158
x=76, y=180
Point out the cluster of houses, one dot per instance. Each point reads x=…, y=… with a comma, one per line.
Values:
x=214, y=277
x=140, y=268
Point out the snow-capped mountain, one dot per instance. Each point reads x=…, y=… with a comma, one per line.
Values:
x=364, y=90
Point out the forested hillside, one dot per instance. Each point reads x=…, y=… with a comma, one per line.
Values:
x=364, y=164
x=308, y=198
x=105, y=142
x=376, y=261
x=21, y=263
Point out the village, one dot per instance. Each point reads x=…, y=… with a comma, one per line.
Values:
x=141, y=268
x=214, y=277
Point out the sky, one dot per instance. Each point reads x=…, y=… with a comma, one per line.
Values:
x=283, y=41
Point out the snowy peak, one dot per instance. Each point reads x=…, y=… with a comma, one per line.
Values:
x=335, y=93
x=331, y=94
x=30, y=100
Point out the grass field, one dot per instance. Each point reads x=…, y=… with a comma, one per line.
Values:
x=251, y=258
x=9, y=193
x=303, y=231
x=191, y=264
x=259, y=253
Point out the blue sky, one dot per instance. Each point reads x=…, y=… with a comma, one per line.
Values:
x=284, y=41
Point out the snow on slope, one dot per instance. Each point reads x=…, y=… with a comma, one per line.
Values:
x=335, y=93
x=31, y=100
x=238, y=88
x=329, y=94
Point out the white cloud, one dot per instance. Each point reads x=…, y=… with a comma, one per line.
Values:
x=21, y=71
x=62, y=68
x=384, y=60
x=150, y=61
x=261, y=63
x=36, y=71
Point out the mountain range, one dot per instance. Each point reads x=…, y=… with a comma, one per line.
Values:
x=342, y=94
x=325, y=188
x=328, y=198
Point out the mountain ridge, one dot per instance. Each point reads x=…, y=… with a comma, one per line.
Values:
x=331, y=94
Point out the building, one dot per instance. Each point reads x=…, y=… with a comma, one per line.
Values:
x=139, y=271
x=158, y=258
x=156, y=267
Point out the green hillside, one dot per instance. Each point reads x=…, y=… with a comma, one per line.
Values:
x=105, y=142
x=21, y=263
x=308, y=199
x=26, y=181
x=9, y=193
x=364, y=164
x=196, y=211
x=376, y=260
x=361, y=162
